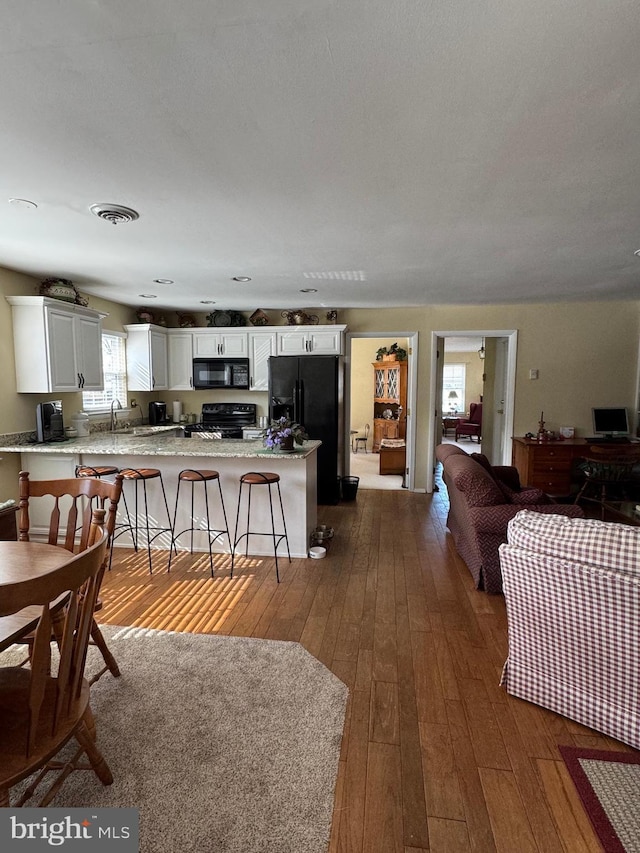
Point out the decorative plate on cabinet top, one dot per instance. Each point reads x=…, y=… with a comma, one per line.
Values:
x=219, y=318
x=388, y=414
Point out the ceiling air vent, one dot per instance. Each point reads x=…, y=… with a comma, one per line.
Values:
x=114, y=213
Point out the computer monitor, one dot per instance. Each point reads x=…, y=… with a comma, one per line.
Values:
x=610, y=421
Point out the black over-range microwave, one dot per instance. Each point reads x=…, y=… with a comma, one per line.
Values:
x=221, y=373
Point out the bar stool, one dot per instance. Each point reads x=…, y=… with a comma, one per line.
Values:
x=143, y=476
x=260, y=478
x=193, y=476
x=99, y=471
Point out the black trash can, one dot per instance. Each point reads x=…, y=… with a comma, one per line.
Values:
x=350, y=488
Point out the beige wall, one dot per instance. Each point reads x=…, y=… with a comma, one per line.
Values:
x=586, y=354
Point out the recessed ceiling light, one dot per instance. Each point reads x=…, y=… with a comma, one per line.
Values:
x=147, y=296
x=207, y=302
x=23, y=202
x=309, y=290
x=163, y=281
x=240, y=278
x=637, y=252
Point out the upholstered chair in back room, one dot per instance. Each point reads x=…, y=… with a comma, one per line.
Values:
x=473, y=424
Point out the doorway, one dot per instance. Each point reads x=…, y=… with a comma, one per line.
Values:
x=361, y=350
x=499, y=348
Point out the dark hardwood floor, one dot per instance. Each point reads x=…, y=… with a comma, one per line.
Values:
x=435, y=755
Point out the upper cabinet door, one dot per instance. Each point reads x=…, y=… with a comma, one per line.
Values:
x=262, y=345
x=64, y=370
x=325, y=341
x=159, y=361
x=147, y=359
x=89, y=352
x=180, y=360
x=293, y=342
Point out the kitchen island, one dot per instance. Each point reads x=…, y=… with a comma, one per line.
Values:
x=151, y=447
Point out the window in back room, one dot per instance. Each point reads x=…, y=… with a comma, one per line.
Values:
x=453, y=388
x=114, y=371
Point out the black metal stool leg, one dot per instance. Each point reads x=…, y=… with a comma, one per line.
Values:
x=284, y=523
x=173, y=527
x=273, y=530
x=235, y=531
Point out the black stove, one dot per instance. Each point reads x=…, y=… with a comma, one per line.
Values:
x=223, y=420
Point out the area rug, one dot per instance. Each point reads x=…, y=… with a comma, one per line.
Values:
x=609, y=787
x=225, y=744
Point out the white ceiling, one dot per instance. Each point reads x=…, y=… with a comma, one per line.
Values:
x=385, y=152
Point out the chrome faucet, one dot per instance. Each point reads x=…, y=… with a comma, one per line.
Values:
x=114, y=418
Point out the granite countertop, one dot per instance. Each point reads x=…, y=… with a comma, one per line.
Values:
x=149, y=441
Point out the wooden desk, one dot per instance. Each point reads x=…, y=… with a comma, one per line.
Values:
x=547, y=464
x=449, y=422
x=21, y=562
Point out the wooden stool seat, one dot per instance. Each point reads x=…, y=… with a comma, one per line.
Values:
x=260, y=478
x=200, y=475
x=97, y=471
x=140, y=473
x=193, y=476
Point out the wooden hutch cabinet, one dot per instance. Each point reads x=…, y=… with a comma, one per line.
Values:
x=389, y=401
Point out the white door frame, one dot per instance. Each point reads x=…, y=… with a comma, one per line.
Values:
x=412, y=391
x=510, y=384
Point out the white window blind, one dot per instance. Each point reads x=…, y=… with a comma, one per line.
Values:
x=114, y=370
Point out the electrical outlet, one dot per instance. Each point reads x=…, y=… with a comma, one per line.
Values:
x=132, y=404
x=533, y=374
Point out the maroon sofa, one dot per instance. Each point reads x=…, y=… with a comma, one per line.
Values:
x=482, y=500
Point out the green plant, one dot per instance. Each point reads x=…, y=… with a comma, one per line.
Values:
x=394, y=349
x=281, y=429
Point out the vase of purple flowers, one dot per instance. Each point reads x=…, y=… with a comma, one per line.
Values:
x=283, y=434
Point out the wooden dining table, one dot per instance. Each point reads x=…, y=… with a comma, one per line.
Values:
x=21, y=562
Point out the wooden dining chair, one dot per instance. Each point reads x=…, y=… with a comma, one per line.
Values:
x=43, y=707
x=71, y=502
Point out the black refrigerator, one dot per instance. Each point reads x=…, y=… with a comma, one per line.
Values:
x=309, y=390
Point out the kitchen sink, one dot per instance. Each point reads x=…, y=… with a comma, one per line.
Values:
x=147, y=430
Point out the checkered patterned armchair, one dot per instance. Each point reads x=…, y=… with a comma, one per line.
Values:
x=572, y=590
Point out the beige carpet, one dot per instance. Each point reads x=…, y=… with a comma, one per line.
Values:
x=366, y=466
x=225, y=744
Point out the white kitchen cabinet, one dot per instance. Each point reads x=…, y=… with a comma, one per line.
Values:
x=212, y=342
x=147, y=358
x=58, y=345
x=262, y=345
x=311, y=340
x=180, y=343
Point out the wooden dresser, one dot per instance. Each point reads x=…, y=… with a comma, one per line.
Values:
x=548, y=465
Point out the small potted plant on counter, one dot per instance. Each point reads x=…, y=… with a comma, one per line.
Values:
x=282, y=434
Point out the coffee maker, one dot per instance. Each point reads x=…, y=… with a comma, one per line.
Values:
x=157, y=413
